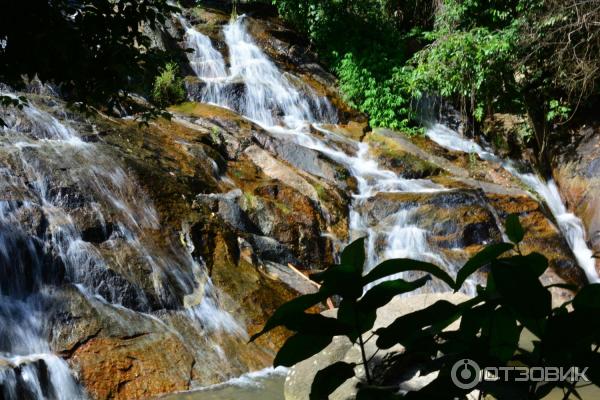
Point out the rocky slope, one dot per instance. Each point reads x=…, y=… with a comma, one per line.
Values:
x=150, y=252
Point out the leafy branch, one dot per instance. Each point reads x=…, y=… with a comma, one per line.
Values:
x=491, y=324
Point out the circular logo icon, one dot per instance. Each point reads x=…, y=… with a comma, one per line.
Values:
x=465, y=374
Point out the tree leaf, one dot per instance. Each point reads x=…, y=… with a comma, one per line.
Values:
x=300, y=347
x=588, y=298
x=394, y=266
x=290, y=310
x=345, y=279
x=514, y=229
x=504, y=334
x=358, y=319
x=480, y=259
x=327, y=380
x=354, y=255
x=342, y=280
x=316, y=324
x=383, y=293
x=522, y=291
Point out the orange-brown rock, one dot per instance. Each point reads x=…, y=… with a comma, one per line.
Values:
x=134, y=368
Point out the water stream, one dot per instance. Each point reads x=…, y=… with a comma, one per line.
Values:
x=51, y=182
x=49, y=174
x=272, y=101
x=568, y=223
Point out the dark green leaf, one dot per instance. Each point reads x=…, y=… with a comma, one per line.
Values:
x=383, y=293
x=290, y=310
x=480, y=259
x=522, y=291
x=316, y=324
x=327, y=380
x=514, y=229
x=354, y=255
x=391, y=267
x=300, y=347
x=536, y=262
x=345, y=279
x=358, y=319
x=504, y=334
x=342, y=280
x=544, y=390
x=588, y=298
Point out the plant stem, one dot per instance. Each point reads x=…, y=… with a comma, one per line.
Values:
x=362, y=347
x=574, y=384
x=364, y=358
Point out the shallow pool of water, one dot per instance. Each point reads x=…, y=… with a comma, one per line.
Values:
x=262, y=385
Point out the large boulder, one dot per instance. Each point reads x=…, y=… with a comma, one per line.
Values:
x=300, y=377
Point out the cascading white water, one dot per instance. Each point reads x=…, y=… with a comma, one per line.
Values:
x=272, y=101
x=569, y=224
x=268, y=98
x=47, y=170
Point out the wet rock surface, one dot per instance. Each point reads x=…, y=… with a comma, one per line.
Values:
x=577, y=173
x=158, y=249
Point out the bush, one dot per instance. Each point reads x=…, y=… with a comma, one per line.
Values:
x=168, y=86
x=492, y=324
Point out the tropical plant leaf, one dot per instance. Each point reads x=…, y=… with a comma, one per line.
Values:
x=484, y=257
x=360, y=320
x=383, y=293
x=504, y=334
x=290, y=310
x=395, y=266
x=514, y=229
x=316, y=324
x=522, y=291
x=342, y=280
x=354, y=255
x=300, y=347
x=588, y=298
x=376, y=393
x=327, y=380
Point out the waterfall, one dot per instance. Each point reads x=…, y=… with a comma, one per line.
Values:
x=271, y=100
x=49, y=174
x=269, y=97
x=569, y=224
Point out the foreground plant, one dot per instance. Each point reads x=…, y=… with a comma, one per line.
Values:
x=491, y=331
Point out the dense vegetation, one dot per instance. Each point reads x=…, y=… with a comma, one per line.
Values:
x=537, y=58
x=492, y=330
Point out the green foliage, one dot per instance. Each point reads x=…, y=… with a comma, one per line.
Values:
x=168, y=86
x=491, y=327
x=470, y=65
x=558, y=111
x=365, y=43
x=533, y=57
x=386, y=101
